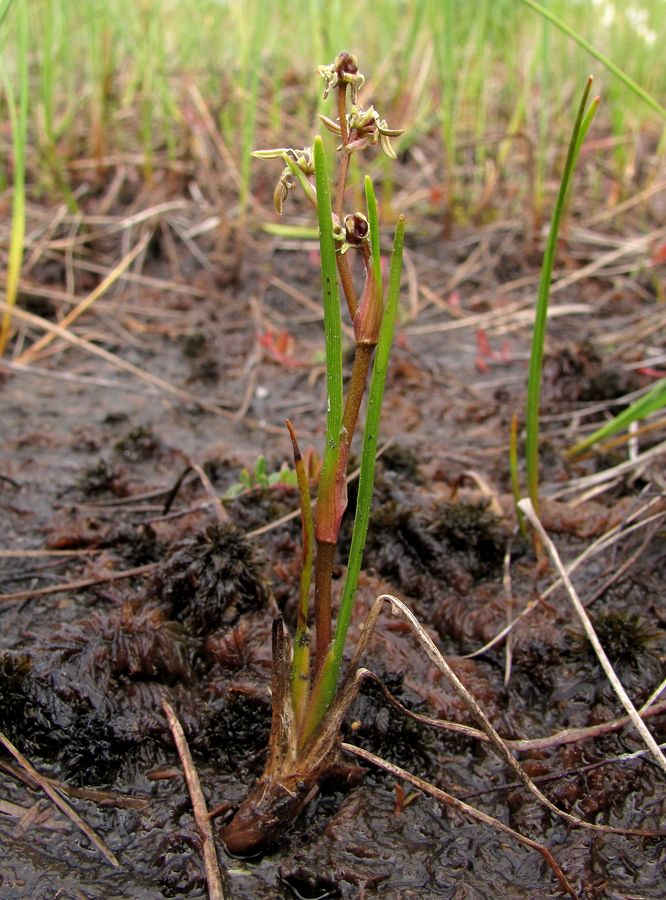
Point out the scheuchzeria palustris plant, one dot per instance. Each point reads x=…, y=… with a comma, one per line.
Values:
x=308, y=695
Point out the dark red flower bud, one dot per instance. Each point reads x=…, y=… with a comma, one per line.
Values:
x=345, y=64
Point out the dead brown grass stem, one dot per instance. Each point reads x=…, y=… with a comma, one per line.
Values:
x=521, y=312
x=214, y=134
x=29, y=355
x=201, y=817
x=494, y=739
x=118, y=362
x=523, y=745
x=59, y=801
x=39, y=554
x=464, y=808
x=607, y=476
x=607, y=214
x=112, y=224
x=604, y=661
x=631, y=524
x=216, y=503
x=77, y=585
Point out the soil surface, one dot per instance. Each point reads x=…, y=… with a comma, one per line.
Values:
x=96, y=481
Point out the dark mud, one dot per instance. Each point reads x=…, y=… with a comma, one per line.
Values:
x=90, y=458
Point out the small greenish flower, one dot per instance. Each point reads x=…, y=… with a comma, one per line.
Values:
x=365, y=127
x=304, y=159
x=357, y=231
x=353, y=232
x=343, y=71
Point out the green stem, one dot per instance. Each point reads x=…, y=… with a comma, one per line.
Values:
x=604, y=60
x=327, y=515
x=324, y=690
x=300, y=668
x=19, y=123
x=583, y=121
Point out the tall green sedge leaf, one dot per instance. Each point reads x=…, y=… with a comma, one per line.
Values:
x=604, y=60
x=19, y=123
x=300, y=666
x=4, y=9
x=366, y=479
x=583, y=121
x=373, y=222
x=332, y=322
x=654, y=400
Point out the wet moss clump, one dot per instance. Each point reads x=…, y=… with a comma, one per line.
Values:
x=138, y=445
x=624, y=636
x=400, y=547
x=387, y=732
x=473, y=534
x=424, y=552
x=102, y=478
x=403, y=461
x=137, y=545
x=132, y=643
x=89, y=697
x=234, y=729
x=211, y=579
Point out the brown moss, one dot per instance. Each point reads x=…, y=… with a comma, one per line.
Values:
x=210, y=579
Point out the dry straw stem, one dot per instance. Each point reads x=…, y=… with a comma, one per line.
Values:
x=62, y=804
x=160, y=383
x=607, y=476
x=619, y=532
x=528, y=510
x=79, y=584
x=524, y=745
x=464, y=808
x=212, y=866
x=29, y=355
x=494, y=738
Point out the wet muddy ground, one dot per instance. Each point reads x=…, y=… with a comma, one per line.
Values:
x=89, y=464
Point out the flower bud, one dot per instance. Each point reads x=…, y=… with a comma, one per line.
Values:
x=368, y=318
x=345, y=64
x=281, y=192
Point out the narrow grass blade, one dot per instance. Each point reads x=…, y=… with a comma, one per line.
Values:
x=373, y=222
x=19, y=123
x=4, y=9
x=583, y=121
x=367, y=476
x=290, y=232
x=463, y=808
x=300, y=666
x=513, y=471
x=604, y=60
x=332, y=321
x=651, y=402
x=605, y=663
